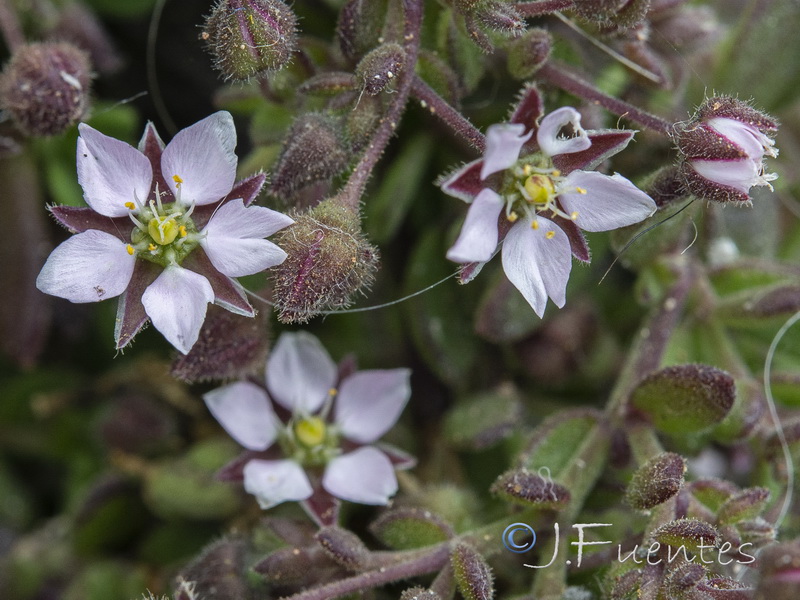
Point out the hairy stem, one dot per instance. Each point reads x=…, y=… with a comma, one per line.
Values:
x=433, y=560
x=439, y=107
x=351, y=194
x=569, y=82
x=543, y=7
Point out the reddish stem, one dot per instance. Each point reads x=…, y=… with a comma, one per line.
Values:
x=543, y=7
x=439, y=107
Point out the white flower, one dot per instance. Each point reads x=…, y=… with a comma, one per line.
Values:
x=183, y=205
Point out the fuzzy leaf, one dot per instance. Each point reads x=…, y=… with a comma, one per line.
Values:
x=482, y=420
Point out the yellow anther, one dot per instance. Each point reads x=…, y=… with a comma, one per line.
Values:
x=512, y=216
x=540, y=189
x=535, y=224
x=130, y=205
x=527, y=170
x=332, y=392
x=580, y=190
x=163, y=232
x=177, y=179
x=182, y=231
x=550, y=234
x=573, y=215
x=310, y=431
x=556, y=173
x=152, y=247
x=130, y=249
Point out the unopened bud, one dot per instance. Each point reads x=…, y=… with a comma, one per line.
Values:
x=746, y=505
x=691, y=533
x=473, y=576
x=329, y=260
x=45, y=87
x=523, y=487
x=360, y=24
x=683, y=578
x=527, y=54
x=617, y=14
x=723, y=148
x=250, y=37
x=656, y=481
x=313, y=151
x=380, y=67
x=344, y=547
x=499, y=17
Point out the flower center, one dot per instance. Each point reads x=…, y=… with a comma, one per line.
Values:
x=165, y=233
x=310, y=432
x=310, y=440
x=532, y=187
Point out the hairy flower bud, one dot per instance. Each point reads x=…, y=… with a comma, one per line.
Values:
x=344, y=546
x=473, y=576
x=378, y=68
x=723, y=148
x=529, y=52
x=617, y=14
x=656, y=481
x=329, y=260
x=359, y=26
x=45, y=87
x=250, y=37
x=526, y=488
x=313, y=151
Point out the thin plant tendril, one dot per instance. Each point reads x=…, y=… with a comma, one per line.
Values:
x=152, y=76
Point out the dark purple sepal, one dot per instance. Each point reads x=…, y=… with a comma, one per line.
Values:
x=322, y=507
x=234, y=470
x=400, y=459
x=247, y=189
x=465, y=182
x=227, y=293
x=528, y=111
x=700, y=141
x=131, y=316
x=469, y=271
x=711, y=190
x=577, y=241
x=346, y=367
x=605, y=144
x=77, y=219
x=152, y=146
x=733, y=108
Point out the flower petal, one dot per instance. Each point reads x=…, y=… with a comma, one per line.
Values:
x=549, y=140
x=244, y=411
x=111, y=172
x=276, y=481
x=370, y=402
x=300, y=372
x=478, y=238
x=503, y=143
x=365, y=476
x=538, y=266
x=607, y=202
x=176, y=302
x=233, y=238
x=88, y=267
x=747, y=137
x=202, y=157
x=738, y=174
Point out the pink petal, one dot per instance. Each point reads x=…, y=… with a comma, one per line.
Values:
x=300, y=372
x=609, y=202
x=365, y=476
x=234, y=243
x=738, y=174
x=176, y=302
x=276, y=481
x=538, y=266
x=478, y=238
x=244, y=411
x=370, y=402
x=202, y=156
x=549, y=140
x=747, y=137
x=88, y=267
x=503, y=143
x=111, y=172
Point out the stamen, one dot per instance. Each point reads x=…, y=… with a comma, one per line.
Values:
x=550, y=234
x=535, y=224
x=580, y=190
x=573, y=215
x=130, y=250
x=526, y=170
x=137, y=222
x=152, y=247
x=512, y=216
x=130, y=205
x=182, y=231
x=178, y=181
x=556, y=173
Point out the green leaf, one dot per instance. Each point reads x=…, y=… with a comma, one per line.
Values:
x=407, y=528
x=484, y=419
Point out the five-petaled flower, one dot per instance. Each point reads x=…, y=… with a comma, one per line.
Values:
x=312, y=429
x=193, y=230
x=531, y=192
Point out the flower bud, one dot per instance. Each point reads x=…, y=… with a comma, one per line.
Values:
x=616, y=14
x=329, y=260
x=250, y=37
x=313, y=151
x=691, y=533
x=473, y=576
x=360, y=24
x=526, y=488
x=406, y=528
x=490, y=16
x=529, y=52
x=219, y=572
x=45, y=87
x=746, y=505
x=723, y=148
x=345, y=547
x=656, y=481
x=378, y=68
